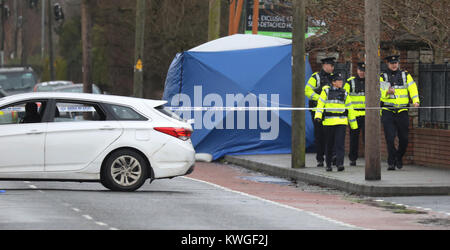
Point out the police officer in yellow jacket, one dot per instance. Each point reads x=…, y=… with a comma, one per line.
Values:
x=356, y=88
x=397, y=88
x=313, y=90
x=335, y=112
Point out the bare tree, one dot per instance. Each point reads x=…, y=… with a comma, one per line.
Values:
x=425, y=20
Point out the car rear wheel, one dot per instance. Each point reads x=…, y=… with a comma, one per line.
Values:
x=124, y=171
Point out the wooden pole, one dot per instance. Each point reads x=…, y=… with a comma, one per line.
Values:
x=298, y=85
x=373, y=127
x=139, y=49
x=86, y=45
x=237, y=16
x=231, y=17
x=255, y=17
x=214, y=20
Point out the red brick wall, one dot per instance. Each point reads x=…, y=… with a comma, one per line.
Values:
x=427, y=147
x=431, y=147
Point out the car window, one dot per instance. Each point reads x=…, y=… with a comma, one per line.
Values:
x=22, y=113
x=126, y=114
x=78, y=112
x=167, y=112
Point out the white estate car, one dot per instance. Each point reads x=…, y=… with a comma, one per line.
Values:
x=118, y=141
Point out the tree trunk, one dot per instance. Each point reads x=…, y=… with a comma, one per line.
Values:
x=214, y=20
x=139, y=49
x=86, y=45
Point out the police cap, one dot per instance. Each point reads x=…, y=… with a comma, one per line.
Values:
x=329, y=60
x=362, y=66
x=392, y=59
x=337, y=77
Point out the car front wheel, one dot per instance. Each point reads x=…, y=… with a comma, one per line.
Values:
x=124, y=171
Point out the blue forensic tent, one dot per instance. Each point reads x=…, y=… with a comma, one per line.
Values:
x=237, y=71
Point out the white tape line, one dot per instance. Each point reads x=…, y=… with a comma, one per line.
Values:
x=181, y=109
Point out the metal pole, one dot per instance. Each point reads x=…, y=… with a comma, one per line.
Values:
x=373, y=127
x=139, y=49
x=298, y=83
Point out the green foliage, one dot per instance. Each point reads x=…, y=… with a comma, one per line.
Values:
x=100, y=74
x=70, y=48
x=60, y=65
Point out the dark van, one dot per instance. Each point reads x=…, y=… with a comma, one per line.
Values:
x=17, y=80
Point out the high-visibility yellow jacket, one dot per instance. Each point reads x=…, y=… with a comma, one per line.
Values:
x=335, y=108
x=356, y=89
x=405, y=88
x=315, y=85
x=8, y=117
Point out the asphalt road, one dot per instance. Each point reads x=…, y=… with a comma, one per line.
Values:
x=181, y=204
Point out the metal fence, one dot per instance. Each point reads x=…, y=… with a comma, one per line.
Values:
x=434, y=88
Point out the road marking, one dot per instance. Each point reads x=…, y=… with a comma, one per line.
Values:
x=101, y=224
x=279, y=204
x=87, y=217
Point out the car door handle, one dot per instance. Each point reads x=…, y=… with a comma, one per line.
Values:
x=35, y=132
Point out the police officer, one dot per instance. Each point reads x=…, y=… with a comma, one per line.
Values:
x=356, y=88
x=335, y=112
x=313, y=90
x=397, y=88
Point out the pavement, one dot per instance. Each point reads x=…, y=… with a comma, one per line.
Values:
x=410, y=181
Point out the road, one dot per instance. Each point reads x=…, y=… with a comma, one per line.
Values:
x=169, y=204
x=214, y=197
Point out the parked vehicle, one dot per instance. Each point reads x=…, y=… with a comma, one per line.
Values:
x=118, y=141
x=17, y=80
x=50, y=86
x=77, y=88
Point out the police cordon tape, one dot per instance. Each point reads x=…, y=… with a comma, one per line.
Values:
x=184, y=109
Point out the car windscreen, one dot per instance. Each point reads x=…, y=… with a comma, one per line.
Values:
x=17, y=81
x=166, y=111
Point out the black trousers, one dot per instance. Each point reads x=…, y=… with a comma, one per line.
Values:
x=395, y=124
x=319, y=136
x=335, y=144
x=354, y=138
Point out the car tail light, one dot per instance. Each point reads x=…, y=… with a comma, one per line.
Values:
x=180, y=133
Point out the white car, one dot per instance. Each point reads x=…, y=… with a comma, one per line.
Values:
x=118, y=141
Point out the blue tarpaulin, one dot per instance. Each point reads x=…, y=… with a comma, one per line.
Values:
x=241, y=76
